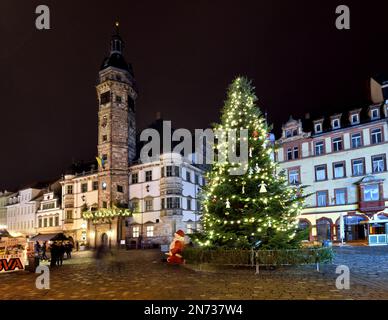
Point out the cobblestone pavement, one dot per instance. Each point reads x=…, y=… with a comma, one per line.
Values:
x=142, y=275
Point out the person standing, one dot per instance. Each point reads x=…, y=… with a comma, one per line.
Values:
x=44, y=248
x=37, y=248
x=61, y=253
x=54, y=255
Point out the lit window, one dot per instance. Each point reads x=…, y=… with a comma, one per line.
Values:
x=340, y=196
x=339, y=170
x=320, y=173
x=189, y=228
x=135, y=232
x=293, y=176
x=104, y=186
x=371, y=192
x=358, y=167
x=321, y=198
x=378, y=164
x=150, y=231
x=356, y=140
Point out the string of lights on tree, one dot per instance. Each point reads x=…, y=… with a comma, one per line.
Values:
x=259, y=205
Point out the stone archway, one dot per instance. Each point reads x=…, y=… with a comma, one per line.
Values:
x=324, y=229
x=104, y=239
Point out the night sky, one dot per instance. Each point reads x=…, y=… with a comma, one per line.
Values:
x=184, y=55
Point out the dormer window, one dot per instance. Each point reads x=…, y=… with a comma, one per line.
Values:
x=335, y=124
x=318, y=127
x=288, y=133
x=355, y=118
x=374, y=114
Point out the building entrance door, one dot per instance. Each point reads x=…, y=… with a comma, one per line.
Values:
x=104, y=239
x=323, y=230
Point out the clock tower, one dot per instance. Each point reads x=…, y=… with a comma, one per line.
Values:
x=116, y=93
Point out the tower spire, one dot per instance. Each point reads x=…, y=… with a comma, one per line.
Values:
x=116, y=44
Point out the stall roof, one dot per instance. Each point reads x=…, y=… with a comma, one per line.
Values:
x=49, y=236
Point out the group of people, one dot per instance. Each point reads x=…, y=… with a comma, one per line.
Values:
x=58, y=249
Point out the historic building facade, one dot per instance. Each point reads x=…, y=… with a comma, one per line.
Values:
x=342, y=161
x=4, y=196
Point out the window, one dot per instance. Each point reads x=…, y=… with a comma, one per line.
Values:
x=103, y=185
x=104, y=204
x=135, y=178
x=288, y=133
x=188, y=176
x=69, y=214
x=289, y=154
x=95, y=185
x=336, y=123
x=104, y=157
x=173, y=203
x=188, y=204
x=337, y=144
x=105, y=97
x=378, y=163
x=118, y=99
x=104, y=138
x=51, y=220
x=135, y=206
x=371, y=192
x=198, y=205
x=358, y=167
x=293, y=176
x=338, y=170
x=319, y=148
x=148, y=205
x=56, y=221
x=322, y=198
x=172, y=171
x=356, y=140
x=150, y=231
x=340, y=196
x=355, y=118
x=69, y=190
x=162, y=172
x=120, y=189
x=375, y=114
x=189, y=228
x=376, y=136
x=318, y=127
x=135, y=232
x=163, y=204
x=148, y=175
x=40, y=223
x=196, y=178
x=296, y=152
x=320, y=173
x=84, y=187
x=45, y=222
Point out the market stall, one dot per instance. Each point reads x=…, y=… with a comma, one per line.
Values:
x=13, y=252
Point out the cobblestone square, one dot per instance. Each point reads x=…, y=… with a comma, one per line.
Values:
x=140, y=274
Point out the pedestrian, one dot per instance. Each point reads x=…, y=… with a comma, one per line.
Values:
x=68, y=249
x=77, y=245
x=44, y=248
x=61, y=253
x=37, y=248
x=54, y=254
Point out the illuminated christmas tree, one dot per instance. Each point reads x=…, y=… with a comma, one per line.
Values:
x=257, y=206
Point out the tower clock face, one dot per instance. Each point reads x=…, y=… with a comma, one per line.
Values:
x=104, y=122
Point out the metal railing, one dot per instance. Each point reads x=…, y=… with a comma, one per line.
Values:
x=259, y=258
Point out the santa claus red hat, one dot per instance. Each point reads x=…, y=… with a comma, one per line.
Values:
x=180, y=233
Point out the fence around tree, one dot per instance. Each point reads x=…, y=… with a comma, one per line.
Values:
x=258, y=258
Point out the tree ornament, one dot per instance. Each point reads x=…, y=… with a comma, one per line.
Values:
x=226, y=213
x=227, y=204
x=250, y=152
x=243, y=187
x=263, y=188
x=255, y=134
x=257, y=168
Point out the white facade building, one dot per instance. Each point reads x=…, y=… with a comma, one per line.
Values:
x=343, y=162
x=21, y=211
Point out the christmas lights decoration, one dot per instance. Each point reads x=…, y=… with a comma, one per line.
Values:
x=239, y=210
x=106, y=213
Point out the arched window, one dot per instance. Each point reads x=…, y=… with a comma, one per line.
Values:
x=324, y=229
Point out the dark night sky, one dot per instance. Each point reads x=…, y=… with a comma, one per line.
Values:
x=184, y=54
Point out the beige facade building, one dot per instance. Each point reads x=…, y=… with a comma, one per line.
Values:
x=342, y=161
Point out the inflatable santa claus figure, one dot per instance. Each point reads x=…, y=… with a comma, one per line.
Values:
x=176, y=248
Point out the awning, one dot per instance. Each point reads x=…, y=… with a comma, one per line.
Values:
x=49, y=237
x=4, y=233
